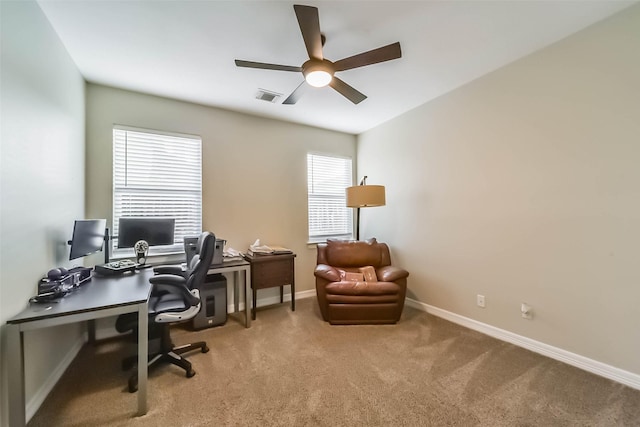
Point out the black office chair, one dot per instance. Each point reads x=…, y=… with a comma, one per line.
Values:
x=175, y=298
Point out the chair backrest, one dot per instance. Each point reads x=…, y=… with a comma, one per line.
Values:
x=202, y=260
x=353, y=254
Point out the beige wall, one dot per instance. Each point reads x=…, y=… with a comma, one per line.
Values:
x=524, y=186
x=254, y=169
x=42, y=178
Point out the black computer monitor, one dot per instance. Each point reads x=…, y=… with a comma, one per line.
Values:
x=155, y=231
x=88, y=237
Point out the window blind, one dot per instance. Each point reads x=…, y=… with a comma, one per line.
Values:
x=327, y=178
x=157, y=175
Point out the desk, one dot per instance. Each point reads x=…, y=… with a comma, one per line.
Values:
x=268, y=271
x=100, y=297
x=237, y=266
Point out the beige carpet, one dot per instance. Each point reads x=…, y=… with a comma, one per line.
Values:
x=293, y=369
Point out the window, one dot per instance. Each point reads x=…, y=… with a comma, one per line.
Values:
x=157, y=175
x=327, y=178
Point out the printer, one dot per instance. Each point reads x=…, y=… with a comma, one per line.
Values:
x=191, y=249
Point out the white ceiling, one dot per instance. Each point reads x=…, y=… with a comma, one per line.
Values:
x=186, y=49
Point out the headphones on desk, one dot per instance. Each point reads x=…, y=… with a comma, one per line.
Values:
x=57, y=273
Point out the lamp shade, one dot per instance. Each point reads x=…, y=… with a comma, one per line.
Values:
x=363, y=196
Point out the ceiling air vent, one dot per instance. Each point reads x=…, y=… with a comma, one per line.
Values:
x=267, y=95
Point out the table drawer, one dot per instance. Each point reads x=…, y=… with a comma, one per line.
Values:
x=270, y=274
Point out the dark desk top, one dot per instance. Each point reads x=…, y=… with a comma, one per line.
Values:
x=99, y=293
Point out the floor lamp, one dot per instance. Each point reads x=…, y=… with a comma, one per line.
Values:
x=364, y=196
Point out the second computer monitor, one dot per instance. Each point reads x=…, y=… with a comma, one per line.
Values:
x=155, y=231
x=88, y=237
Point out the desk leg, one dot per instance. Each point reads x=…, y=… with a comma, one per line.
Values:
x=247, y=298
x=236, y=290
x=143, y=350
x=254, y=304
x=15, y=375
x=293, y=295
x=91, y=331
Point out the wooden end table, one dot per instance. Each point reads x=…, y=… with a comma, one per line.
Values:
x=268, y=271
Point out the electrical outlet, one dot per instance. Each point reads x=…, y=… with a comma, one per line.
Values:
x=480, y=300
x=526, y=310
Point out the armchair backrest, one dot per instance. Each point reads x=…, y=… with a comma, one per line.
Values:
x=202, y=260
x=353, y=254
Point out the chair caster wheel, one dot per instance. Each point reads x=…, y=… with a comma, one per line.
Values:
x=190, y=373
x=205, y=349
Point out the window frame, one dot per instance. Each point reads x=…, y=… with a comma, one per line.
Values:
x=349, y=214
x=195, y=220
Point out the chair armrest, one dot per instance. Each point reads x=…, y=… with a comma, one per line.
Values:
x=391, y=273
x=327, y=272
x=168, y=279
x=189, y=313
x=175, y=285
x=176, y=270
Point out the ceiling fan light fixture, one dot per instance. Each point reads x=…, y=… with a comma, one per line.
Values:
x=318, y=78
x=317, y=73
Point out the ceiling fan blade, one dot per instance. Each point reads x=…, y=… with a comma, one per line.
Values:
x=296, y=94
x=310, y=28
x=347, y=91
x=265, y=66
x=381, y=54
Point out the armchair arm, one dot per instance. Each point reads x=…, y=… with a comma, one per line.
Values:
x=176, y=285
x=327, y=272
x=390, y=273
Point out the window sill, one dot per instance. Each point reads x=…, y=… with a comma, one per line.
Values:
x=314, y=242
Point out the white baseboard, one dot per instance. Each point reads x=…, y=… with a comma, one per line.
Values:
x=607, y=371
x=276, y=299
x=38, y=398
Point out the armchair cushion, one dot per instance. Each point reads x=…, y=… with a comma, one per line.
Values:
x=362, y=288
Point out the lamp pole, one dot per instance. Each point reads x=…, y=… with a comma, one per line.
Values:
x=363, y=182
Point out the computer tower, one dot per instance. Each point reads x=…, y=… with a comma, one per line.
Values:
x=213, y=305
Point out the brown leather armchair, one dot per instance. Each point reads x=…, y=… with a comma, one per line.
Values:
x=349, y=302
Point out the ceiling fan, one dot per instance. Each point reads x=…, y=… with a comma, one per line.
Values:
x=319, y=71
